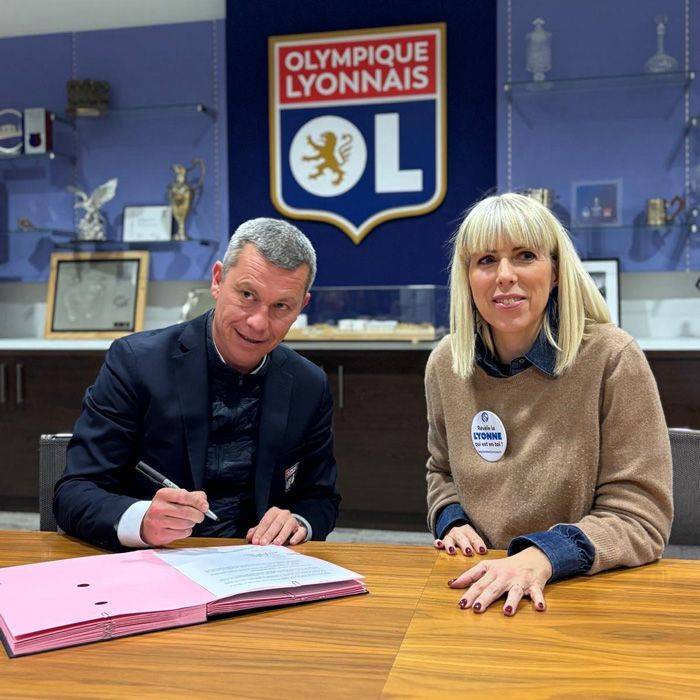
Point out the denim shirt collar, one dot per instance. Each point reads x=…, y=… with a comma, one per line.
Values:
x=541, y=354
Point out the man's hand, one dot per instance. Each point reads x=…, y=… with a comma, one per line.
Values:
x=277, y=527
x=523, y=574
x=172, y=515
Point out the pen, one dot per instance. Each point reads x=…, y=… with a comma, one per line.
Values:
x=158, y=478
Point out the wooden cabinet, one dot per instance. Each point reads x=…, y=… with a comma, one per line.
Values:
x=379, y=421
x=380, y=432
x=678, y=377
x=40, y=392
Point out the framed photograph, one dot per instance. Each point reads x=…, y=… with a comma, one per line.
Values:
x=597, y=203
x=151, y=223
x=606, y=275
x=96, y=295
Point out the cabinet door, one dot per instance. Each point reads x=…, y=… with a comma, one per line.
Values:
x=380, y=432
x=44, y=395
x=678, y=377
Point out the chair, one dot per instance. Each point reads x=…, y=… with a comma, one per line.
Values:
x=52, y=462
x=685, y=453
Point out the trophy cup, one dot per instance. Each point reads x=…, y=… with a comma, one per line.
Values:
x=543, y=195
x=182, y=195
x=660, y=62
x=658, y=210
x=538, y=52
x=92, y=226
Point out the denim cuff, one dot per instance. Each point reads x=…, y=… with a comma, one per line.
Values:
x=451, y=515
x=569, y=551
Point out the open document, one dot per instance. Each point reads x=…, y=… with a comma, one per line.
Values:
x=74, y=601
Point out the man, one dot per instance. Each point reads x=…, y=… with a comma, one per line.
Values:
x=240, y=423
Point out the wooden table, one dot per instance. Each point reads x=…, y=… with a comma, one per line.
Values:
x=629, y=633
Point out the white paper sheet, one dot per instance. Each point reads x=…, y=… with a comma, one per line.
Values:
x=228, y=571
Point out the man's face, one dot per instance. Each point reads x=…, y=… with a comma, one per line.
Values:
x=256, y=303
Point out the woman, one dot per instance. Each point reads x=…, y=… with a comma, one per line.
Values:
x=546, y=433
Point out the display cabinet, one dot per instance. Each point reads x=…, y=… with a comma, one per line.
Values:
x=410, y=313
x=29, y=233
x=604, y=126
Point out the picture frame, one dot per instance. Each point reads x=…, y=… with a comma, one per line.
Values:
x=597, y=203
x=96, y=294
x=605, y=272
x=147, y=223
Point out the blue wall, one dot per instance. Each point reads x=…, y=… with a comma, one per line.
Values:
x=155, y=65
x=400, y=251
x=624, y=134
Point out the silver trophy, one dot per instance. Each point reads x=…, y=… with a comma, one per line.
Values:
x=538, y=51
x=660, y=62
x=92, y=226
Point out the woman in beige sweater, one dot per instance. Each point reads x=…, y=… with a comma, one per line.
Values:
x=546, y=433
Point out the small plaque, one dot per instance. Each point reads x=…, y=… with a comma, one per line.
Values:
x=151, y=223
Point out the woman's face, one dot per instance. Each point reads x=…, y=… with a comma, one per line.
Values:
x=511, y=287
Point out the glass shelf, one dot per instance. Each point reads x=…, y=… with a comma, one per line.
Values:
x=127, y=245
x=50, y=155
x=189, y=108
x=600, y=228
x=599, y=82
x=40, y=231
x=73, y=242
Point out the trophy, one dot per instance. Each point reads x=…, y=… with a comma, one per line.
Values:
x=538, y=52
x=92, y=226
x=657, y=210
x=87, y=98
x=660, y=62
x=543, y=195
x=182, y=195
x=11, y=133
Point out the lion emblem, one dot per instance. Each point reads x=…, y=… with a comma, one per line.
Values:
x=326, y=155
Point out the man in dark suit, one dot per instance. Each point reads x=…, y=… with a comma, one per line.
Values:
x=239, y=422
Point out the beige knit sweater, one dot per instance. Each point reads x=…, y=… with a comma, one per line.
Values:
x=589, y=448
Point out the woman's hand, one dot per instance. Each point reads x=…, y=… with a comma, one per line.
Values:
x=462, y=537
x=525, y=573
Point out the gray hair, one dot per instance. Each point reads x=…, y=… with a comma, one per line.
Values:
x=279, y=242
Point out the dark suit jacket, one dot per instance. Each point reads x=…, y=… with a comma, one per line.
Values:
x=150, y=402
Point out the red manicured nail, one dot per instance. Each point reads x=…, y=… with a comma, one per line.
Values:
x=482, y=550
x=438, y=543
x=469, y=551
x=477, y=606
x=451, y=581
x=463, y=603
x=508, y=610
x=451, y=550
x=540, y=606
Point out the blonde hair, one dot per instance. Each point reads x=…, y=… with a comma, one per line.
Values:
x=513, y=219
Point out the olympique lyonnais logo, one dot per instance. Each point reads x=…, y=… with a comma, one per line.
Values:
x=357, y=125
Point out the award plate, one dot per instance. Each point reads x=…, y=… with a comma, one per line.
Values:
x=149, y=223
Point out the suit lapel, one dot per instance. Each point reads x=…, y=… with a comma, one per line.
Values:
x=190, y=376
x=274, y=413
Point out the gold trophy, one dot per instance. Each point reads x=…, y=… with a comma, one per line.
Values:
x=183, y=195
x=543, y=195
x=658, y=210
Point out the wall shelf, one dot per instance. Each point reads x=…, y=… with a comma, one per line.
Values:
x=179, y=110
x=679, y=79
x=50, y=155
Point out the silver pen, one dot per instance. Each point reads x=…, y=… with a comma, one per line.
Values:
x=157, y=478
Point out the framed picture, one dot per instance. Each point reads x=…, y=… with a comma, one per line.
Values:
x=597, y=203
x=150, y=223
x=606, y=275
x=96, y=295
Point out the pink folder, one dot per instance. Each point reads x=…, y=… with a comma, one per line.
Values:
x=74, y=601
